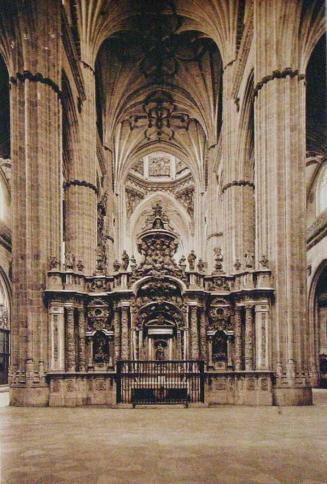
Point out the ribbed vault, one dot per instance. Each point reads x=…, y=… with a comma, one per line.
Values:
x=158, y=81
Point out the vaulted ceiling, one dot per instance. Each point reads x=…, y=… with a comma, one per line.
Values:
x=159, y=74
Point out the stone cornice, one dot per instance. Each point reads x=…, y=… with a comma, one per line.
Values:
x=80, y=183
x=238, y=183
x=278, y=74
x=38, y=77
x=72, y=55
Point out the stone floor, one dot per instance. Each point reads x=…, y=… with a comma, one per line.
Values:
x=168, y=445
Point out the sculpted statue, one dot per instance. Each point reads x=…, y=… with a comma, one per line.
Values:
x=125, y=261
x=158, y=224
x=101, y=259
x=182, y=263
x=160, y=353
x=201, y=265
x=237, y=265
x=116, y=265
x=264, y=262
x=249, y=260
x=80, y=266
x=69, y=261
x=218, y=259
x=133, y=263
x=53, y=263
x=191, y=260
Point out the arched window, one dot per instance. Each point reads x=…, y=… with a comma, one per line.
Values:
x=322, y=191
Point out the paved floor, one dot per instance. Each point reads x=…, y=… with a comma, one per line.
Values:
x=215, y=445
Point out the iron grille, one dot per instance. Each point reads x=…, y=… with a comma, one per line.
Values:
x=160, y=382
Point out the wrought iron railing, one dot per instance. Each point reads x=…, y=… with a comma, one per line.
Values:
x=160, y=382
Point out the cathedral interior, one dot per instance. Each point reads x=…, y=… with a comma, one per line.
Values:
x=163, y=202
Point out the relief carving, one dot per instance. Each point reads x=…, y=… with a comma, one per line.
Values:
x=98, y=316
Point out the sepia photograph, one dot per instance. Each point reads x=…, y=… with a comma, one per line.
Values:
x=163, y=241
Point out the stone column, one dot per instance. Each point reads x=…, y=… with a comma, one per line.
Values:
x=213, y=208
x=230, y=190
x=280, y=189
x=70, y=339
x=210, y=362
x=203, y=335
x=194, y=331
x=262, y=336
x=125, y=350
x=81, y=339
x=186, y=342
x=229, y=352
x=57, y=337
x=248, y=347
x=90, y=352
x=117, y=330
x=36, y=189
x=238, y=338
x=80, y=188
x=179, y=345
x=140, y=345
